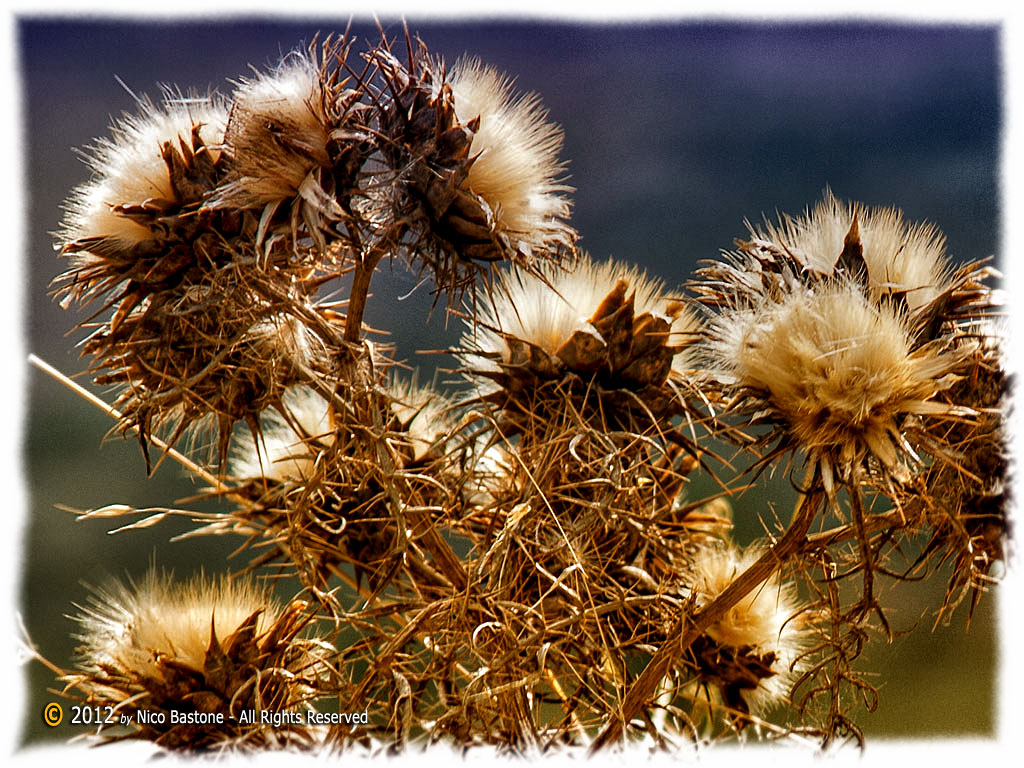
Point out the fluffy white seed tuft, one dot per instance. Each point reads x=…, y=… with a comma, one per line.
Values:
x=134, y=628
x=901, y=257
x=283, y=453
x=516, y=169
x=129, y=167
x=423, y=414
x=769, y=620
x=276, y=135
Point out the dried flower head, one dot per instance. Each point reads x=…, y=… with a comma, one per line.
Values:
x=423, y=416
x=490, y=474
x=319, y=480
x=475, y=169
x=838, y=328
x=752, y=654
x=603, y=320
x=965, y=498
x=194, y=657
x=205, y=356
x=584, y=371
x=295, y=139
x=834, y=372
x=134, y=226
x=277, y=134
x=131, y=167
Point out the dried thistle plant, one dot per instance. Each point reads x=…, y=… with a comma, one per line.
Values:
x=526, y=563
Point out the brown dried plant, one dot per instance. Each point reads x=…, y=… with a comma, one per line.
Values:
x=525, y=564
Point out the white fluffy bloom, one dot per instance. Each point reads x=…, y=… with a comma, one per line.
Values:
x=516, y=169
x=838, y=371
x=277, y=134
x=136, y=628
x=492, y=474
x=129, y=167
x=422, y=413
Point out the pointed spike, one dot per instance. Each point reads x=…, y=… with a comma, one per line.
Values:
x=851, y=259
x=612, y=302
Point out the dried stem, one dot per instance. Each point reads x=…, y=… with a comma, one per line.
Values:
x=687, y=629
x=365, y=267
x=78, y=389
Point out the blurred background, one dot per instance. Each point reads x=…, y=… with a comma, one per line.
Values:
x=675, y=134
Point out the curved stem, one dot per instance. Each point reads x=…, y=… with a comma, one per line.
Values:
x=688, y=628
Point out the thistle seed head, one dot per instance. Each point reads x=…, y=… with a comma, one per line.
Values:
x=965, y=498
x=131, y=168
x=296, y=139
x=289, y=444
x=286, y=449
x=491, y=475
x=202, y=648
x=138, y=628
x=752, y=654
x=837, y=373
x=423, y=416
x=591, y=362
x=209, y=353
x=838, y=329
x=475, y=170
x=276, y=135
x=134, y=226
x=320, y=478
x=605, y=319
x=514, y=161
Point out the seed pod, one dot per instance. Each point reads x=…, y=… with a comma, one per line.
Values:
x=296, y=143
x=475, y=169
x=190, y=661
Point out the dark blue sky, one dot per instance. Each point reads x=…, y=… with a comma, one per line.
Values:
x=675, y=133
